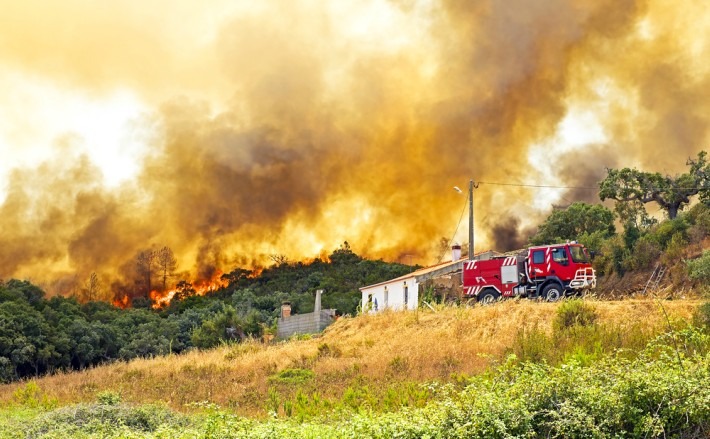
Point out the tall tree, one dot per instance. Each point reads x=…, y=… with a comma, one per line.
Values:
x=570, y=223
x=91, y=289
x=167, y=264
x=671, y=193
x=145, y=266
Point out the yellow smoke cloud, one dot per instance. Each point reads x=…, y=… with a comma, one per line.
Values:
x=290, y=127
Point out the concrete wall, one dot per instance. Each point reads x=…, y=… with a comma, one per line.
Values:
x=310, y=323
x=392, y=297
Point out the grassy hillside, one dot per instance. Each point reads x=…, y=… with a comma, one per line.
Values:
x=374, y=360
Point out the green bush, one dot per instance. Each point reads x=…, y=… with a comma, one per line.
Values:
x=675, y=249
x=594, y=240
x=701, y=317
x=292, y=376
x=98, y=418
x=664, y=232
x=699, y=218
x=108, y=398
x=583, y=343
x=30, y=395
x=572, y=313
x=645, y=253
x=699, y=269
x=532, y=345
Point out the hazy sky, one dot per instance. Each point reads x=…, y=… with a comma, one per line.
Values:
x=232, y=130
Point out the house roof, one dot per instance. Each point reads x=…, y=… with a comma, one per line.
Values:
x=413, y=274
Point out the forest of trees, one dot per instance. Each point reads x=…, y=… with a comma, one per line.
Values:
x=40, y=335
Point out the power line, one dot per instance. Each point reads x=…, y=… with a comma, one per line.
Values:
x=443, y=252
x=547, y=186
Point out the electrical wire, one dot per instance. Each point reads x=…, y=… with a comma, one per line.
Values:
x=448, y=244
x=546, y=186
x=542, y=186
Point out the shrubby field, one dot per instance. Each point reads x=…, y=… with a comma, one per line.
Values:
x=574, y=376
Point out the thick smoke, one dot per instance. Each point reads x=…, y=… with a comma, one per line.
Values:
x=321, y=136
x=508, y=235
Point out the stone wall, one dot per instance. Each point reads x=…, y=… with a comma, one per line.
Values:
x=310, y=323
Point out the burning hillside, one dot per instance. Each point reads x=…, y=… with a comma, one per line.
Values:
x=288, y=128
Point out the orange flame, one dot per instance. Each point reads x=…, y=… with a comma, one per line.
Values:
x=200, y=288
x=122, y=303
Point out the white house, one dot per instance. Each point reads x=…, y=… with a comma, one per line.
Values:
x=403, y=292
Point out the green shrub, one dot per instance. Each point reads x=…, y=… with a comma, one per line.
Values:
x=593, y=241
x=292, y=376
x=701, y=317
x=532, y=345
x=574, y=313
x=89, y=418
x=613, y=257
x=108, y=397
x=675, y=249
x=619, y=257
x=31, y=396
x=699, y=217
x=699, y=269
x=646, y=252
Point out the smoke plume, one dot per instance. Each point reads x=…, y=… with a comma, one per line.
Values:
x=290, y=128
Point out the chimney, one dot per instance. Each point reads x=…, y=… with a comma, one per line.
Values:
x=455, y=252
x=285, y=310
x=316, y=308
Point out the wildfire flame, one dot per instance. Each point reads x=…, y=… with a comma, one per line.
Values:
x=162, y=298
x=122, y=303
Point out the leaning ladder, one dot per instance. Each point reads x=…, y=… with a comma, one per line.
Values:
x=655, y=278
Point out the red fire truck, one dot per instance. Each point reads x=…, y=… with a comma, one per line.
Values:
x=548, y=272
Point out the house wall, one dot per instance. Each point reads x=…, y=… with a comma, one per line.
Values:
x=393, y=298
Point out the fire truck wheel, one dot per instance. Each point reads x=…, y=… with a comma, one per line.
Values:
x=488, y=296
x=552, y=293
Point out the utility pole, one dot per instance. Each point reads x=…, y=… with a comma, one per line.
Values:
x=470, y=221
x=471, y=186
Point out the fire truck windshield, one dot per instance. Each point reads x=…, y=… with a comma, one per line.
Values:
x=578, y=254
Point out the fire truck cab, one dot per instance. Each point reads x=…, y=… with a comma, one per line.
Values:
x=548, y=272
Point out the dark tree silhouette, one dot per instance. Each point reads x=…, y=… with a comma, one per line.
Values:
x=145, y=266
x=91, y=290
x=167, y=264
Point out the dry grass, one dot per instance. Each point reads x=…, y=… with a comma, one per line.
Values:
x=385, y=348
